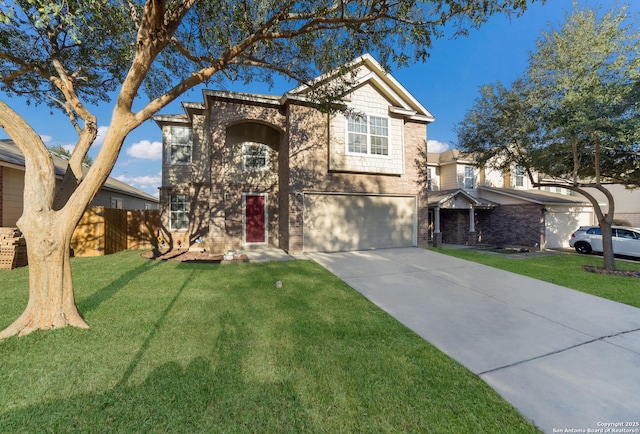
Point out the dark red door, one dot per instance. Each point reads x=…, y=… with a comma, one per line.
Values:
x=254, y=219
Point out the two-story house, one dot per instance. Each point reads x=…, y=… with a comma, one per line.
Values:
x=243, y=171
x=469, y=205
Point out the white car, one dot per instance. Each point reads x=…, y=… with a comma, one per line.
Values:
x=587, y=239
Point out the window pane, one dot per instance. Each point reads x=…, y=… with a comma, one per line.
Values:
x=468, y=177
x=624, y=233
x=255, y=156
x=378, y=126
x=179, y=145
x=379, y=146
x=357, y=143
x=519, y=176
x=368, y=134
x=179, y=211
x=358, y=125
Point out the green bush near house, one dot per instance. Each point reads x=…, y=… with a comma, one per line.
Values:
x=186, y=348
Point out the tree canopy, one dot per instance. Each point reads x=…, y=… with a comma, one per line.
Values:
x=73, y=54
x=573, y=118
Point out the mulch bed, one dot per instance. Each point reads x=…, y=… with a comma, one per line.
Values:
x=600, y=270
x=191, y=256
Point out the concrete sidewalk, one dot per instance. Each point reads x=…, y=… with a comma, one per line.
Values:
x=564, y=359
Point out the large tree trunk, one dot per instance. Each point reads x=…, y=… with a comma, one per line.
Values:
x=607, y=244
x=51, y=296
x=47, y=230
x=605, y=221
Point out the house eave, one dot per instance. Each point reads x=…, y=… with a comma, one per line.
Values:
x=514, y=194
x=380, y=79
x=253, y=98
x=449, y=195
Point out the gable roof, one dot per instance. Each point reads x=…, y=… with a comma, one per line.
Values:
x=449, y=156
x=440, y=198
x=368, y=70
x=11, y=156
x=539, y=197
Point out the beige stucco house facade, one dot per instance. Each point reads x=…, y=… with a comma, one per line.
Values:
x=244, y=171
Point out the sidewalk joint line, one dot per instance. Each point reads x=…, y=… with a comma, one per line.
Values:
x=559, y=351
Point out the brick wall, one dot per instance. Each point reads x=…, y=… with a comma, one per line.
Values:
x=454, y=225
x=518, y=225
x=301, y=141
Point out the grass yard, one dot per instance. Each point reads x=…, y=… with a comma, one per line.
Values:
x=566, y=270
x=186, y=348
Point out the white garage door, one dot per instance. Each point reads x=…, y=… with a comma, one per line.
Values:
x=560, y=223
x=343, y=222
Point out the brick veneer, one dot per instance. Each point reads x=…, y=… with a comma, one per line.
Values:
x=301, y=141
x=519, y=225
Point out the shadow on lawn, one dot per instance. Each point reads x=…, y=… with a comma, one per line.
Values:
x=172, y=399
x=212, y=394
x=154, y=331
x=100, y=296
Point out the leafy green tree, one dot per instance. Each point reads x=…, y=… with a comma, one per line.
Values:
x=75, y=53
x=573, y=120
x=62, y=151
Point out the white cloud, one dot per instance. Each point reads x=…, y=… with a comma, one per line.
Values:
x=102, y=131
x=146, y=150
x=436, y=146
x=142, y=182
x=46, y=139
x=69, y=148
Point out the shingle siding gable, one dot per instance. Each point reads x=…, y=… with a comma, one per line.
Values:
x=366, y=100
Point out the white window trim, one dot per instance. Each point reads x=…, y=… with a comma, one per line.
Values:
x=517, y=177
x=368, y=154
x=465, y=177
x=188, y=212
x=244, y=155
x=266, y=219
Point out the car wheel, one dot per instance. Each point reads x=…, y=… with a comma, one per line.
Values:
x=582, y=247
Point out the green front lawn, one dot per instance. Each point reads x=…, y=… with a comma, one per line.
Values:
x=566, y=270
x=186, y=348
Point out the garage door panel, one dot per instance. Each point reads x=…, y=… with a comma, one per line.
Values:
x=358, y=222
x=561, y=223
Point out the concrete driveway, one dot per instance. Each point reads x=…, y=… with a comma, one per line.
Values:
x=564, y=359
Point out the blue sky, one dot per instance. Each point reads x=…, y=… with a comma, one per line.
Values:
x=446, y=84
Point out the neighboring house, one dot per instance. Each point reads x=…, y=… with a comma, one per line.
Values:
x=114, y=193
x=245, y=171
x=626, y=202
x=468, y=205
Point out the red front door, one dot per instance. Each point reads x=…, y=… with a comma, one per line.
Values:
x=254, y=217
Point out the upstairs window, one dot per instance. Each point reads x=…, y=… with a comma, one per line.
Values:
x=368, y=135
x=255, y=156
x=179, y=212
x=519, y=176
x=178, y=142
x=469, y=178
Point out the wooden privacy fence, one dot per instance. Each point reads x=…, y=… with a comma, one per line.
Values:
x=103, y=231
